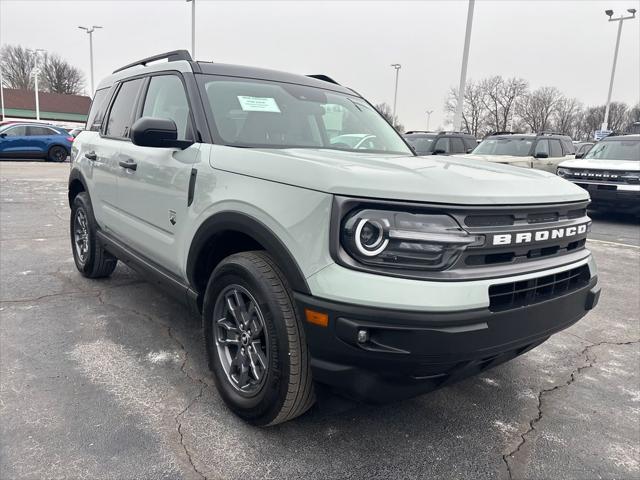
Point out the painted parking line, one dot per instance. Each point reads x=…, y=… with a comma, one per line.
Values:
x=604, y=242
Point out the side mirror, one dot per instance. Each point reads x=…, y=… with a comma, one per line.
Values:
x=469, y=150
x=157, y=132
x=541, y=155
x=439, y=151
x=579, y=155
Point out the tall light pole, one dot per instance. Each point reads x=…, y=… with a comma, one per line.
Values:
x=90, y=31
x=429, y=112
x=36, y=73
x=397, y=66
x=620, y=19
x=2, y=94
x=193, y=28
x=457, y=118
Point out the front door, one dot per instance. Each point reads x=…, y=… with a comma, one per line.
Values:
x=153, y=183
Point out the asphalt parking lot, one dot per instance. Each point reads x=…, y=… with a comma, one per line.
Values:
x=107, y=379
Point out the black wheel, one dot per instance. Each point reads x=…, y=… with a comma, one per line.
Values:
x=91, y=259
x=255, y=341
x=57, y=154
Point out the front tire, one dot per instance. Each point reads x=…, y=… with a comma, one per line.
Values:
x=255, y=341
x=91, y=259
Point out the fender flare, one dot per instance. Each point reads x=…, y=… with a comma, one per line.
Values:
x=250, y=226
x=76, y=175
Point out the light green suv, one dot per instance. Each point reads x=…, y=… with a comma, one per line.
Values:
x=371, y=270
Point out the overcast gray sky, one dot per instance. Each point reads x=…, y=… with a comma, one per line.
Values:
x=567, y=44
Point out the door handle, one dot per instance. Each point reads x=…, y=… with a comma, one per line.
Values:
x=91, y=155
x=129, y=165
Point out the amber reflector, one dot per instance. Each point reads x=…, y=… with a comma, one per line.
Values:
x=317, y=318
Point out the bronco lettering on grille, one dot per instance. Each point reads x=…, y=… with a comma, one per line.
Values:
x=539, y=235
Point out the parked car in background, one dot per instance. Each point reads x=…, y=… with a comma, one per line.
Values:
x=22, y=140
x=582, y=148
x=542, y=151
x=440, y=143
x=610, y=172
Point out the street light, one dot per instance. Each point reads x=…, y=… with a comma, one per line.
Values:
x=36, y=72
x=2, y=94
x=397, y=66
x=620, y=19
x=429, y=112
x=457, y=118
x=193, y=28
x=90, y=30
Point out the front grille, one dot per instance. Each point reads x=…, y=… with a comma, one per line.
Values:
x=507, y=296
x=609, y=176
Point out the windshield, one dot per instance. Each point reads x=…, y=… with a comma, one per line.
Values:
x=257, y=113
x=421, y=144
x=518, y=147
x=615, y=150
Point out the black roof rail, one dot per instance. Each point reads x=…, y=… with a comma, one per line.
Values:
x=172, y=56
x=502, y=133
x=418, y=131
x=546, y=132
x=324, y=78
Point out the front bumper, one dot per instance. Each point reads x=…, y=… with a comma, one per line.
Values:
x=407, y=353
x=609, y=195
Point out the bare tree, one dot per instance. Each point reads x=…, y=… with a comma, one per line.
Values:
x=385, y=110
x=537, y=108
x=499, y=97
x=58, y=76
x=473, y=111
x=566, y=116
x=16, y=63
x=513, y=90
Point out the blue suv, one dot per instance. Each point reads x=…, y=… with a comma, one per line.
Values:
x=35, y=140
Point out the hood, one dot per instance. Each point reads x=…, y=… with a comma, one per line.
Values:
x=437, y=179
x=595, y=164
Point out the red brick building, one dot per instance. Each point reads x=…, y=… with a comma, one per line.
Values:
x=54, y=107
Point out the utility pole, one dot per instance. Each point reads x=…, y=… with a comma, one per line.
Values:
x=2, y=94
x=457, y=118
x=90, y=31
x=36, y=73
x=620, y=19
x=429, y=112
x=397, y=66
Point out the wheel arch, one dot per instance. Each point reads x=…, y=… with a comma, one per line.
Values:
x=230, y=232
x=77, y=184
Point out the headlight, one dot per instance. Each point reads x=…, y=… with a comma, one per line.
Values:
x=631, y=177
x=405, y=240
x=563, y=171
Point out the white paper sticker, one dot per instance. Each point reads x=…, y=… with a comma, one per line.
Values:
x=258, y=104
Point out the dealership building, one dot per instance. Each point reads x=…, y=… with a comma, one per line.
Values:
x=56, y=108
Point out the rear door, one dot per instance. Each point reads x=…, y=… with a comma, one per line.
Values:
x=42, y=137
x=153, y=195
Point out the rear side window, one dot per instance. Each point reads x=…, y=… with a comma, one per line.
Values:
x=568, y=147
x=556, y=149
x=166, y=98
x=457, y=146
x=121, y=113
x=469, y=143
x=35, y=131
x=98, y=107
x=442, y=145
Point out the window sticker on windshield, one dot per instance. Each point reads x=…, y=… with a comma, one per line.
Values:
x=258, y=104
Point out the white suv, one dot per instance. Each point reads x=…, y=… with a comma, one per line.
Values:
x=360, y=266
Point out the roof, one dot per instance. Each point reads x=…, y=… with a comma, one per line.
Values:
x=621, y=138
x=49, y=102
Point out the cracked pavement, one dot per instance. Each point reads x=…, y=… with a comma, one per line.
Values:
x=108, y=379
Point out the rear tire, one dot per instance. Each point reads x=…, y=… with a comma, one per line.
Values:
x=57, y=154
x=251, y=287
x=91, y=259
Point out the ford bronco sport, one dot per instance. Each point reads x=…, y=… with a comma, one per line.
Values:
x=372, y=270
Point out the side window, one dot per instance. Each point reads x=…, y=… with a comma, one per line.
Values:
x=556, y=148
x=39, y=131
x=121, y=113
x=442, y=144
x=166, y=98
x=542, y=147
x=18, y=131
x=469, y=143
x=98, y=107
x=457, y=146
x=568, y=147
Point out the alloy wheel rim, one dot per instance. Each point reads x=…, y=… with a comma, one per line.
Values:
x=81, y=235
x=241, y=339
